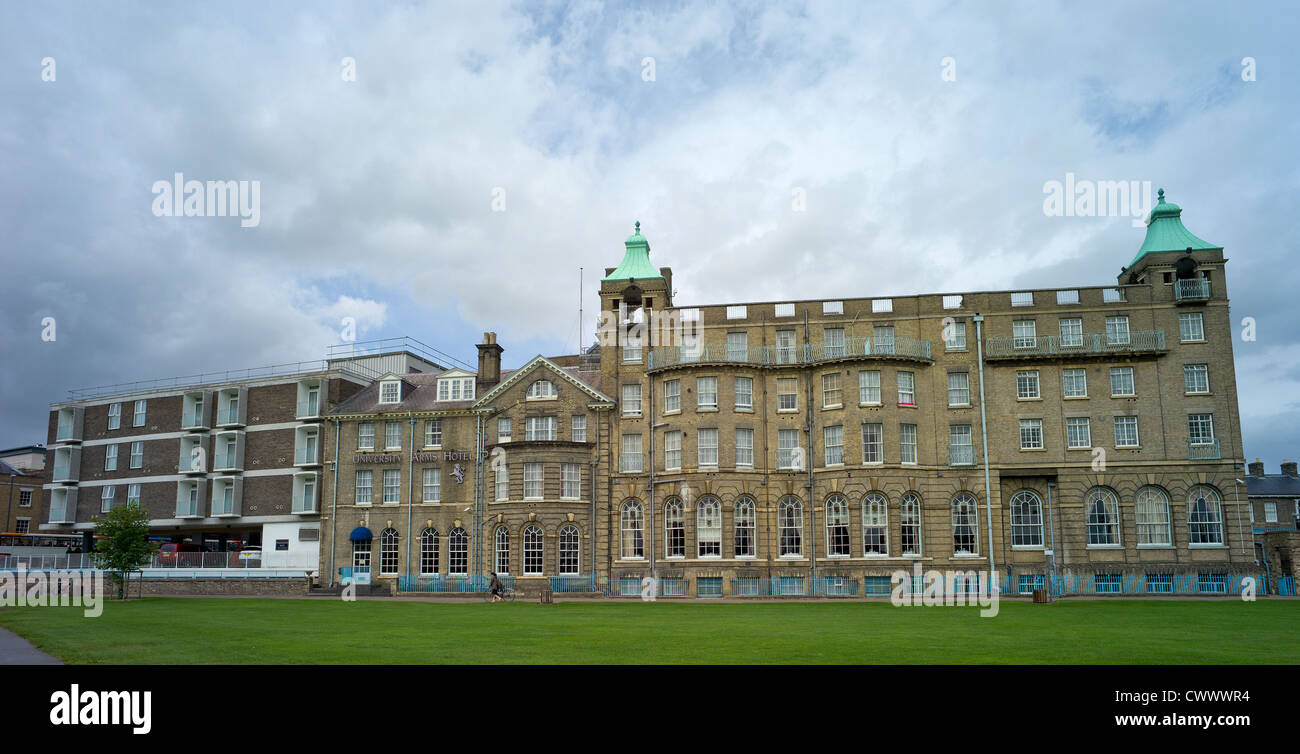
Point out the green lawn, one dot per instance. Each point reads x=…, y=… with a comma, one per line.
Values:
x=286, y=631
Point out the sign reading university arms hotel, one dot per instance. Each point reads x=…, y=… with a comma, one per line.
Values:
x=457, y=471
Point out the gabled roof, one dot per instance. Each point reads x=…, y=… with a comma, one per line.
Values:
x=570, y=375
x=420, y=394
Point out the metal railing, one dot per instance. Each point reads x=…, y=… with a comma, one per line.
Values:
x=1192, y=289
x=442, y=583
x=588, y=584
x=367, y=348
x=221, y=378
x=1204, y=450
x=810, y=353
x=67, y=562
x=1154, y=583
x=1014, y=347
x=206, y=560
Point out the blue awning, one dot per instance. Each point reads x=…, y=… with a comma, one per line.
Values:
x=361, y=534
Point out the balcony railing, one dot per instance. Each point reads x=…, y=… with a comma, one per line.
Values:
x=224, y=508
x=1203, y=450
x=1051, y=346
x=186, y=508
x=228, y=416
x=67, y=432
x=304, y=503
x=59, y=512
x=226, y=461
x=961, y=455
x=308, y=409
x=1192, y=289
x=306, y=457
x=63, y=472
x=898, y=347
x=194, y=420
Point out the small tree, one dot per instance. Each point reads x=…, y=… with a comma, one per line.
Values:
x=123, y=545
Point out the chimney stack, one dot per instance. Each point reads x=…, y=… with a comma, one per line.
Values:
x=1288, y=467
x=489, y=362
x=1256, y=468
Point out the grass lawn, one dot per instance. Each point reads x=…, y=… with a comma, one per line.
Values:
x=307, y=631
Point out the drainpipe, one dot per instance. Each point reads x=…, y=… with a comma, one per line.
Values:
x=1051, y=527
x=334, y=506
x=984, y=439
x=593, y=465
x=808, y=432
x=410, y=493
x=648, y=410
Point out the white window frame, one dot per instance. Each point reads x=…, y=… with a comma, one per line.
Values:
x=534, y=481
x=390, y=391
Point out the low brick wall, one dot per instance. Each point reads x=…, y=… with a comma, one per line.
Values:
x=290, y=587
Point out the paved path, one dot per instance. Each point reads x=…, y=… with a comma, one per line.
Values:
x=15, y=650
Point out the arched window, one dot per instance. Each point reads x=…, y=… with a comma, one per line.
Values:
x=837, y=526
x=534, y=550
x=457, y=551
x=569, y=550
x=744, y=528
x=502, y=550
x=909, y=520
x=1026, y=519
x=632, y=527
x=429, y=551
x=875, y=524
x=541, y=389
x=1204, y=516
x=790, y=524
x=674, y=529
x=1103, y=516
x=388, y=552
x=965, y=525
x=1153, y=517
x=708, y=527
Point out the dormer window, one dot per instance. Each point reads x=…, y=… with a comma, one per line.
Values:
x=456, y=389
x=390, y=391
x=542, y=389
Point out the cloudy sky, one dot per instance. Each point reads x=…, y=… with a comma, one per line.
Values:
x=379, y=195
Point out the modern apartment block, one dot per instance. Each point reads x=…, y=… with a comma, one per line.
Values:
x=22, y=473
x=215, y=459
x=459, y=472
x=1087, y=435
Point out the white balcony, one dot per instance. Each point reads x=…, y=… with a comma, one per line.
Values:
x=305, y=488
x=70, y=422
x=63, y=506
x=228, y=454
x=67, y=465
x=196, y=411
x=193, y=456
x=232, y=407
x=306, y=451
x=227, y=497
x=311, y=395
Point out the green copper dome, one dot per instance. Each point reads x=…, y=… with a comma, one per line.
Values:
x=1165, y=231
x=636, y=260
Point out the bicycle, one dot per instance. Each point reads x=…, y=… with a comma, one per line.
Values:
x=507, y=594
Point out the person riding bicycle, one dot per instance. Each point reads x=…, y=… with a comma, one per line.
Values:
x=496, y=587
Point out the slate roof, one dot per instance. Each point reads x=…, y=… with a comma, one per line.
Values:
x=1273, y=485
x=421, y=394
